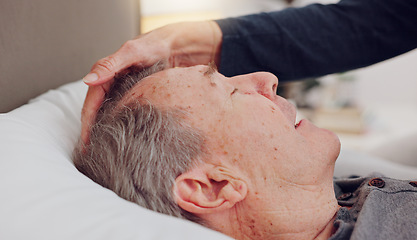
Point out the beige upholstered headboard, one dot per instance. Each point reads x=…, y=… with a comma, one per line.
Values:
x=46, y=43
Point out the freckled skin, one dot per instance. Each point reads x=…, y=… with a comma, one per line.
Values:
x=251, y=133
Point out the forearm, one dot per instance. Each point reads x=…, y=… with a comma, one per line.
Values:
x=318, y=39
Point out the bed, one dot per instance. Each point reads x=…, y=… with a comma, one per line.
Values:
x=45, y=48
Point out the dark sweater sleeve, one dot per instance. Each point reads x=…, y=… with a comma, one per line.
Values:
x=318, y=39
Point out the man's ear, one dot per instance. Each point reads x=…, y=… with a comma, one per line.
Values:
x=207, y=189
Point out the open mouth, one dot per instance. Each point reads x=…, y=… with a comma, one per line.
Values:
x=297, y=124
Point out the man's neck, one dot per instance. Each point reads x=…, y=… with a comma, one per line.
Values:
x=328, y=230
x=314, y=221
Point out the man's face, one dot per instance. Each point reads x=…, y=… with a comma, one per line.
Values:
x=251, y=130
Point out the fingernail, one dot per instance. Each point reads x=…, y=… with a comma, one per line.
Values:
x=91, y=77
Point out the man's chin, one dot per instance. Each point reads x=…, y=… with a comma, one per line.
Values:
x=337, y=147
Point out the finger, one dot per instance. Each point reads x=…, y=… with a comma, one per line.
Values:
x=92, y=103
x=105, y=69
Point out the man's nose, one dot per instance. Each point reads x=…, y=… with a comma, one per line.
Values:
x=263, y=83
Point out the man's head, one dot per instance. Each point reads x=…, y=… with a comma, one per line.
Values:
x=257, y=168
x=137, y=150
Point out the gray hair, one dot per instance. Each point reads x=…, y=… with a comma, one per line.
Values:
x=138, y=150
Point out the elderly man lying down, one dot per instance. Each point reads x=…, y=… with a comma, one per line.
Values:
x=228, y=153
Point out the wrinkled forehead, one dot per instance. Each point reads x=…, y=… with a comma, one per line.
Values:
x=175, y=86
x=198, y=92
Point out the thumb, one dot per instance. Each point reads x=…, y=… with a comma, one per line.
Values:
x=104, y=69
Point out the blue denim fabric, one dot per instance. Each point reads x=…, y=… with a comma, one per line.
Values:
x=316, y=40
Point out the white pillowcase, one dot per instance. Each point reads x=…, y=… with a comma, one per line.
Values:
x=43, y=196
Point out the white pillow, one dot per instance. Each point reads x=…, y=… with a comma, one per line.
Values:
x=43, y=196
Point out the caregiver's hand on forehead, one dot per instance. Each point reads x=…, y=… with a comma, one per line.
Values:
x=180, y=45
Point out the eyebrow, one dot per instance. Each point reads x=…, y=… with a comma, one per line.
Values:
x=212, y=68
